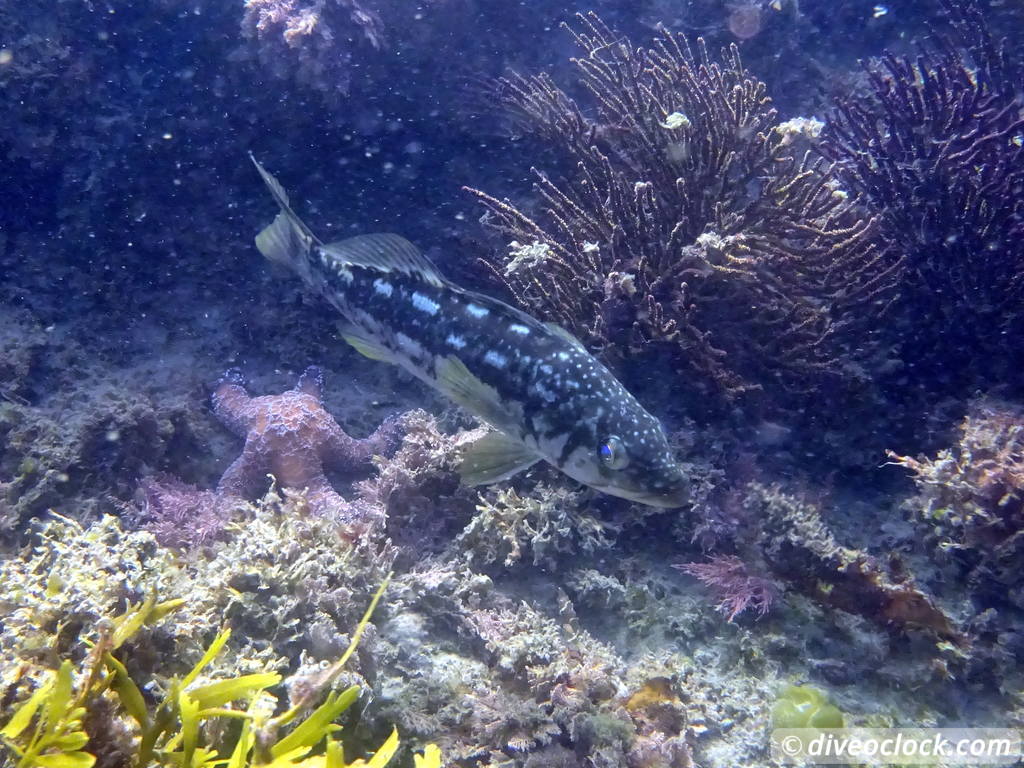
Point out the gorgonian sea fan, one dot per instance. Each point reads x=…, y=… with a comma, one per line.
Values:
x=936, y=150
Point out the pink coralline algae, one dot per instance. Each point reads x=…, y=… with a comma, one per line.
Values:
x=292, y=437
x=182, y=516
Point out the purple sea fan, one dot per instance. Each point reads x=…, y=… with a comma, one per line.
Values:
x=732, y=583
x=936, y=148
x=694, y=227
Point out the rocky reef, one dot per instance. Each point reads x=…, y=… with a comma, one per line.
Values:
x=794, y=263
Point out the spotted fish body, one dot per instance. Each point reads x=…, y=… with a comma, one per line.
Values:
x=544, y=394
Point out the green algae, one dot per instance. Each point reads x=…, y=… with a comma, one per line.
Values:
x=801, y=706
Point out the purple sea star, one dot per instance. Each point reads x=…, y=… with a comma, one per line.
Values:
x=294, y=438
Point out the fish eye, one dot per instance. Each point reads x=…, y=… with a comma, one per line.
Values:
x=613, y=454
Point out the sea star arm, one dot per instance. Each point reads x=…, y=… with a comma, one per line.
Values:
x=245, y=473
x=311, y=382
x=231, y=403
x=342, y=451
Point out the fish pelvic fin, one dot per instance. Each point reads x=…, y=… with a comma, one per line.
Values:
x=493, y=458
x=287, y=240
x=466, y=389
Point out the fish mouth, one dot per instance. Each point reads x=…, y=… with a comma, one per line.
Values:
x=675, y=497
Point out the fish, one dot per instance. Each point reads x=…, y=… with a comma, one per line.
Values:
x=545, y=396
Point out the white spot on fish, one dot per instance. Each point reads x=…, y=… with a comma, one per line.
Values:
x=383, y=288
x=455, y=341
x=563, y=356
x=522, y=330
x=496, y=359
x=425, y=304
x=477, y=311
x=545, y=393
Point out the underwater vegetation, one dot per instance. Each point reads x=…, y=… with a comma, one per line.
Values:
x=969, y=511
x=695, y=222
x=68, y=720
x=769, y=282
x=874, y=254
x=736, y=588
x=971, y=499
x=933, y=148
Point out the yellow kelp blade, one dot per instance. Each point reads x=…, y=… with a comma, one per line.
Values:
x=431, y=757
x=382, y=756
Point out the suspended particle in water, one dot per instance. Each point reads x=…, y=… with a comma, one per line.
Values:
x=745, y=20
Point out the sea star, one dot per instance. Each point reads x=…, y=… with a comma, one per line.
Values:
x=292, y=437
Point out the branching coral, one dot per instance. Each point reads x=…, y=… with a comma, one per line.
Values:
x=971, y=500
x=550, y=523
x=419, y=488
x=936, y=148
x=695, y=221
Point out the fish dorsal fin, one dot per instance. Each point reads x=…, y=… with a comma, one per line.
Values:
x=494, y=457
x=386, y=252
x=459, y=383
x=559, y=331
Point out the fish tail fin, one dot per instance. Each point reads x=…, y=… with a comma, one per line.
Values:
x=287, y=240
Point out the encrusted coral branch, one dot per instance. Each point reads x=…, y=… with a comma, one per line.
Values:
x=799, y=547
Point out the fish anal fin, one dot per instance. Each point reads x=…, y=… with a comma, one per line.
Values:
x=494, y=457
x=385, y=252
x=368, y=347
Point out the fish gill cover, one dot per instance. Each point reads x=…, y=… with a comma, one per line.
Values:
x=793, y=231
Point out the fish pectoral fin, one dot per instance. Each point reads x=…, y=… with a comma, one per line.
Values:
x=459, y=383
x=559, y=331
x=367, y=346
x=494, y=457
x=384, y=252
